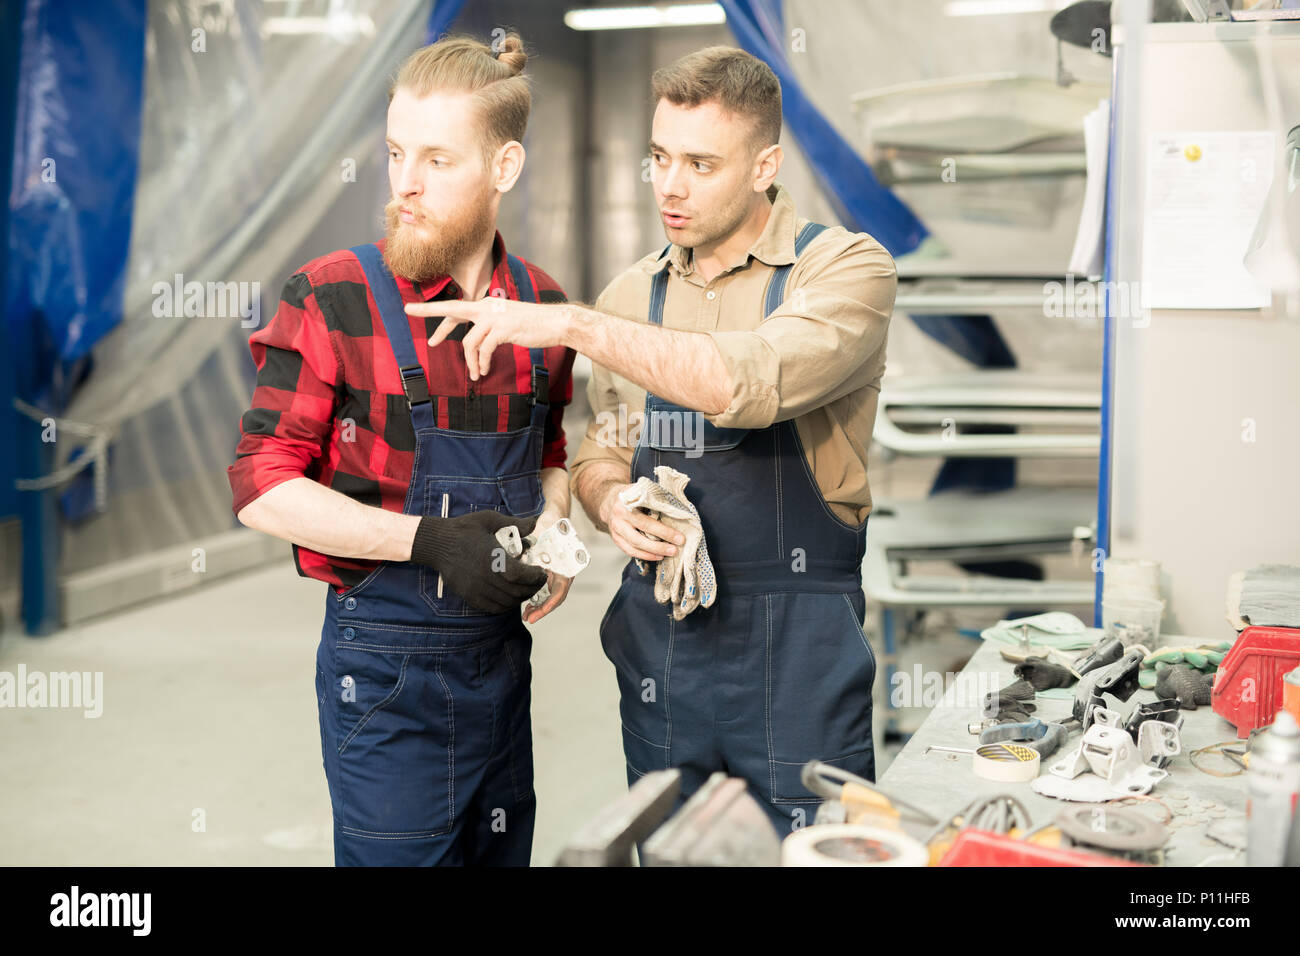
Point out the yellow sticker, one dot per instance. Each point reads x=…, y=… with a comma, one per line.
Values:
x=1192, y=152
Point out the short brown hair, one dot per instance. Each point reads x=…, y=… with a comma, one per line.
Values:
x=741, y=83
x=494, y=77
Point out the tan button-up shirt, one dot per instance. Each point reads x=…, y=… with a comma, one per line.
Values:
x=817, y=359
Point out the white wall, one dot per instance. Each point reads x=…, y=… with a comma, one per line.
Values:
x=1189, y=490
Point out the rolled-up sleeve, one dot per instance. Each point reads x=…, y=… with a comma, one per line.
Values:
x=825, y=341
x=605, y=440
x=290, y=421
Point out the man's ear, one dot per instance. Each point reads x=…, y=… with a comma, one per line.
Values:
x=507, y=164
x=766, y=167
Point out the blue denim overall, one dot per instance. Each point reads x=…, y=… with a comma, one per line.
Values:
x=778, y=671
x=424, y=701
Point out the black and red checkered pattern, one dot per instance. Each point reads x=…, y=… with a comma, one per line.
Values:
x=329, y=405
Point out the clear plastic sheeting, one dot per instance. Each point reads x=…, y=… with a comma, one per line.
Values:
x=1010, y=214
x=261, y=147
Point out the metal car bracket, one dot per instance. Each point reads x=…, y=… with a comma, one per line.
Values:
x=557, y=549
x=1111, y=754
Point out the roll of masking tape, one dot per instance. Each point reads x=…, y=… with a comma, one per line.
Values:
x=851, y=844
x=1006, y=762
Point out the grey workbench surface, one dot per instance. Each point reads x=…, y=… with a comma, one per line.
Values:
x=943, y=783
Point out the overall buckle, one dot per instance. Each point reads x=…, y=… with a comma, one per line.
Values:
x=541, y=380
x=415, y=385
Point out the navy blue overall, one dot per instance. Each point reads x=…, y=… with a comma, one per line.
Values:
x=424, y=701
x=778, y=671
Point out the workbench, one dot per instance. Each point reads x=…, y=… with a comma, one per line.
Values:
x=943, y=783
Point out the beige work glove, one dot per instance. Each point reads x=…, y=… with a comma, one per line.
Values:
x=686, y=579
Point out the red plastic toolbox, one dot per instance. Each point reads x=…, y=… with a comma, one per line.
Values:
x=1248, y=684
x=984, y=848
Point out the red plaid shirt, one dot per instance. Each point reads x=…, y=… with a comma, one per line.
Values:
x=329, y=403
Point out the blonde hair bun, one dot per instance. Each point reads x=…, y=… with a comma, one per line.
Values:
x=511, y=53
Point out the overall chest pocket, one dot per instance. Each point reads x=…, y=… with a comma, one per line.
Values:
x=517, y=495
x=670, y=427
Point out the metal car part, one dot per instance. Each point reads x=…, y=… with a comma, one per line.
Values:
x=720, y=825
x=1111, y=754
x=1112, y=828
x=557, y=549
x=608, y=837
x=1158, y=742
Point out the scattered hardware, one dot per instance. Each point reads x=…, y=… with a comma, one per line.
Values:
x=978, y=727
x=1230, y=831
x=1142, y=800
x=1191, y=811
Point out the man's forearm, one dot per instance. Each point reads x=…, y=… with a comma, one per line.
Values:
x=593, y=484
x=555, y=491
x=683, y=367
x=307, y=513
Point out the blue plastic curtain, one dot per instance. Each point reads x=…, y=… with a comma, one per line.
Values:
x=441, y=17
x=76, y=143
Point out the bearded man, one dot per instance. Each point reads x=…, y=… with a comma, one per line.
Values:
x=390, y=471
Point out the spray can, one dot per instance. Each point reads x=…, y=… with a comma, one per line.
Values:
x=1273, y=783
x=1291, y=692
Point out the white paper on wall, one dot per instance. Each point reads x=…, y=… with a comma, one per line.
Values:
x=1204, y=195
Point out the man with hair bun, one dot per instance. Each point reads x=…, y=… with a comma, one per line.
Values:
x=390, y=468
x=764, y=336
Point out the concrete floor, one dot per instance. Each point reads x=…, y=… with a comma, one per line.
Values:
x=207, y=751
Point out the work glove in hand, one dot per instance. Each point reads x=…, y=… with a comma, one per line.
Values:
x=472, y=562
x=685, y=579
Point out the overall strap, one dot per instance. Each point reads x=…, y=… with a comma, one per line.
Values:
x=398, y=326
x=541, y=389
x=776, y=285
x=659, y=291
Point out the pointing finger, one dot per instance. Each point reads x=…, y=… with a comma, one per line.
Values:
x=444, y=329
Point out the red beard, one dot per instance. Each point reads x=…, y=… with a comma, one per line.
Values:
x=411, y=256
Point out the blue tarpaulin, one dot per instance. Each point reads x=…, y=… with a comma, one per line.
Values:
x=76, y=144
